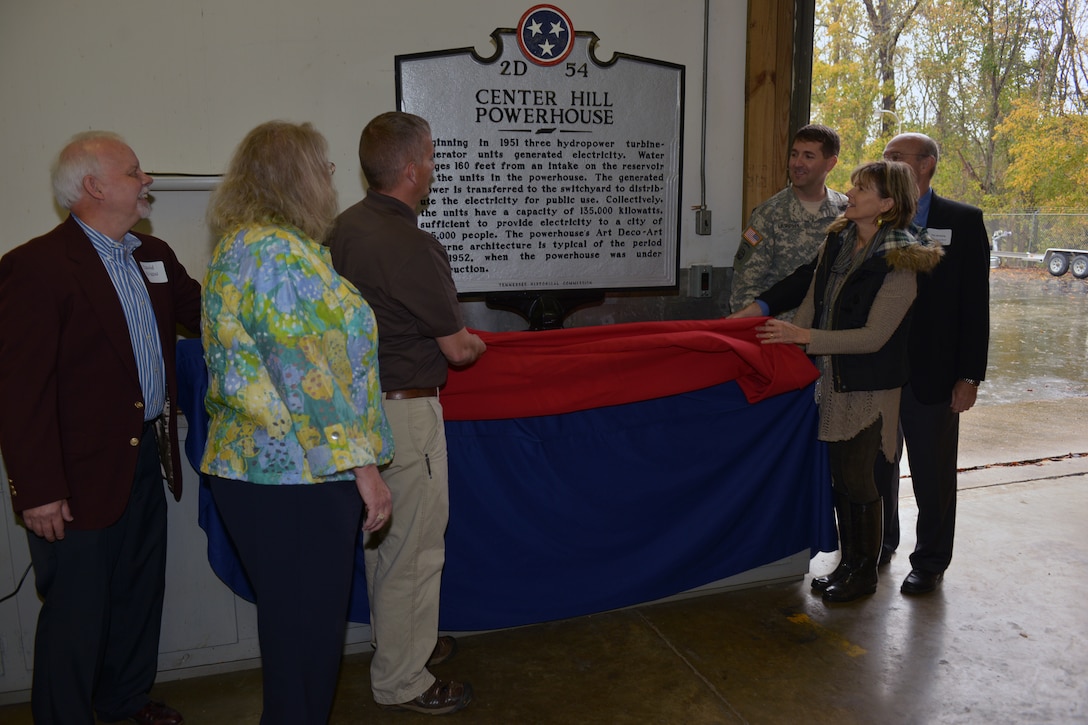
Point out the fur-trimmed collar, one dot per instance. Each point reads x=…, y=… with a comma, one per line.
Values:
x=915, y=257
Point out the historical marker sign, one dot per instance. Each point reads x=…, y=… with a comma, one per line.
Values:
x=553, y=170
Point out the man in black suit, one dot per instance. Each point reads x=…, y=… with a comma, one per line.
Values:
x=948, y=345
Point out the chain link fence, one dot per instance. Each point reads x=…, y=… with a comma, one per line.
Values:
x=1033, y=232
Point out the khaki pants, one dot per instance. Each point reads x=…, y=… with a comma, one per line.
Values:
x=404, y=560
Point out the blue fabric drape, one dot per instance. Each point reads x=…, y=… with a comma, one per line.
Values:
x=560, y=516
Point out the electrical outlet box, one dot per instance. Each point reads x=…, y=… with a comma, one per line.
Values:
x=700, y=280
x=702, y=221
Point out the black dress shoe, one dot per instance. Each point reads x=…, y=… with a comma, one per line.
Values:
x=921, y=582
x=157, y=713
x=886, y=555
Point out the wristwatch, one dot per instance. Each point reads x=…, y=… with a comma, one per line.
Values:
x=969, y=381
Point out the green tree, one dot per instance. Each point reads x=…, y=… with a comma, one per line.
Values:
x=846, y=84
x=1048, y=152
x=888, y=19
x=1062, y=73
x=954, y=69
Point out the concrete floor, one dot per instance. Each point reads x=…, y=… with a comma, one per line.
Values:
x=1004, y=640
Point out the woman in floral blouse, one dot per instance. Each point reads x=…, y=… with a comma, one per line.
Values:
x=297, y=430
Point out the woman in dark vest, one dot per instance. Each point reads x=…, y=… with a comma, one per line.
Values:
x=854, y=321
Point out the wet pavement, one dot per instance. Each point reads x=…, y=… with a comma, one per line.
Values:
x=1032, y=409
x=1038, y=337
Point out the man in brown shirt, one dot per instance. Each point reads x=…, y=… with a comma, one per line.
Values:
x=404, y=274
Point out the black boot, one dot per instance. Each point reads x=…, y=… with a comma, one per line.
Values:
x=886, y=475
x=843, y=512
x=867, y=520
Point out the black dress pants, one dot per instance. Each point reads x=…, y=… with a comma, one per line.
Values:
x=97, y=642
x=931, y=433
x=297, y=545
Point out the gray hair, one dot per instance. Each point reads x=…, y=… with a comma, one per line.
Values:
x=78, y=159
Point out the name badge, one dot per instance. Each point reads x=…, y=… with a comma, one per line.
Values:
x=155, y=272
x=941, y=236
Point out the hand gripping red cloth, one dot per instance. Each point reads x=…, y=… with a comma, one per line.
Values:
x=550, y=372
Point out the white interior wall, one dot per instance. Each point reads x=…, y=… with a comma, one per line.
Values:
x=184, y=81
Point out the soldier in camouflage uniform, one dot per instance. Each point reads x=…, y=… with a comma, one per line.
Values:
x=785, y=231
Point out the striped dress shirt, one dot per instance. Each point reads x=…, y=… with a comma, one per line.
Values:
x=143, y=329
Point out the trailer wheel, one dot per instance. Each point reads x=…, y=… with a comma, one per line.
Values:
x=1058, y=264
x=1079, y=266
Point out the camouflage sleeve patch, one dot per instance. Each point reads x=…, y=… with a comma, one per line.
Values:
x=752, y=236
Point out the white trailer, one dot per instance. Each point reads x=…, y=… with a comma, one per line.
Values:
x=1059, y=261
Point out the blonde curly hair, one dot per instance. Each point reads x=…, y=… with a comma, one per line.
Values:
x=279, y=174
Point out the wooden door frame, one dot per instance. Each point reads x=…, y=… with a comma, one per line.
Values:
x=778, y=79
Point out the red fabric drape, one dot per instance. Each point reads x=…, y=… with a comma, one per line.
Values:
x=550, y=372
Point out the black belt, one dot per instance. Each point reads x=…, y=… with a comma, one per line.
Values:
x=411, y=393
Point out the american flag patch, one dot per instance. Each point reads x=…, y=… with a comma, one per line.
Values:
x=752, y=236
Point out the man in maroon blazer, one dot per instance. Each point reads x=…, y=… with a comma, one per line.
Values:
x=88, y=317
